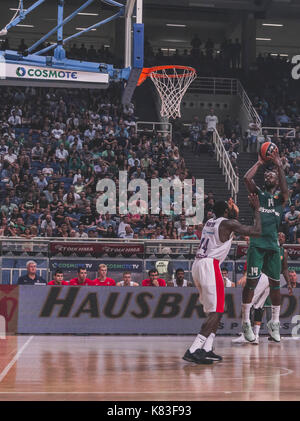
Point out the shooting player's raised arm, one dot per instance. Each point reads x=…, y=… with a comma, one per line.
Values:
x=248, y=177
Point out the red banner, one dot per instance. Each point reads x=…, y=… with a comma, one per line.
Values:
x=241, y=251
x=101, y=248
x=293, y=251
x=9, y=298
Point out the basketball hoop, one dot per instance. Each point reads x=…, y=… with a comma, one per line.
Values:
x=171, y=82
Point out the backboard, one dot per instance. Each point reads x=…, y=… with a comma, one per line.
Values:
x=35, y=68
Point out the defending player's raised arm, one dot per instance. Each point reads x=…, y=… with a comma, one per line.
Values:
x=248, y=177
x=232, y=225
x=284, y=190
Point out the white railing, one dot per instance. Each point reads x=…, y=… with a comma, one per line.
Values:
x=154, y=126
x=280, y=131
x=247, y=104
x=225, y=164
x=214, y=86
x=227, y=86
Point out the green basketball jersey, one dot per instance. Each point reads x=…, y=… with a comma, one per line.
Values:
x=271, y=211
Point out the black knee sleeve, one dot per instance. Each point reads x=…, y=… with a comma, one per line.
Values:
x=258, y=314
x=251, y=283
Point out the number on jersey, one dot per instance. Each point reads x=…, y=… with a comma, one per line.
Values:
x=204, y=245
x=254, y=271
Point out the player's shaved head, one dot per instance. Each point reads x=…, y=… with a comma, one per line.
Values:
x=220, y=208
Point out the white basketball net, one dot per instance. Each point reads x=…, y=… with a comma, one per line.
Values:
x=171, y=85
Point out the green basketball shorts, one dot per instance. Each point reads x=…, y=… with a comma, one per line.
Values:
x=266, y=261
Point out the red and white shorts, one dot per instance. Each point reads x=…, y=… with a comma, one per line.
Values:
x=209, y=281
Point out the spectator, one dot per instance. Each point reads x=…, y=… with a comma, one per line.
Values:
x=227, y=281
x=37, y=152
x=211, y=121
x=292, y=280
x=292, y=220
x=81, y=233
x=179, y=280
x=190, y=234
x=126, y=281
x=153, y=280
x=102, y=279
x=81, y=278
x=48, y=222
x=58, y=278
x=233, y=209
x=31, y=277
x=290, y=179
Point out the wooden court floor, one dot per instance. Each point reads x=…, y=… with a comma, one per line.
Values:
x=133, y=368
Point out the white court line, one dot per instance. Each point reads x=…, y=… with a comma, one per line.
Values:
x=142, y=393
x=16, y=357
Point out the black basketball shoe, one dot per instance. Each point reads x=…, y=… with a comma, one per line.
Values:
x=214, y=357
x=198, y=357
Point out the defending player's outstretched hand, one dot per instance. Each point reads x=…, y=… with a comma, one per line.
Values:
x=254, y=201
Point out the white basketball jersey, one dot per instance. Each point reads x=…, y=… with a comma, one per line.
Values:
x=184, y=284
x=227, y=282
x=210, y=244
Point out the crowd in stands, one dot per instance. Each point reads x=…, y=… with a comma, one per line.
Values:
x=56, y=144
x=204, y=55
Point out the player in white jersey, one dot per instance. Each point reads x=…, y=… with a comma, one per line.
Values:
x=214, y=246
x=127, y=282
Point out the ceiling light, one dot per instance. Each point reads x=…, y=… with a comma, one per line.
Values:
x=87, y=14
x=83, y=29
x=25, y=26
x=281, y=55
x=272, y=24
x=176, y=25
x=15, y=10
x=263, y=39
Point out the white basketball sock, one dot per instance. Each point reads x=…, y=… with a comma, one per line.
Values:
x=246, y=312
x=209, y=343
x=198, y=343
x=256, y=329
x=275, y=314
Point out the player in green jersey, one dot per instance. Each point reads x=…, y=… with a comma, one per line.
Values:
x=261, y=299
x=264, y=252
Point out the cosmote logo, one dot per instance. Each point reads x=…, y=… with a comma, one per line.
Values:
x=36, y=73
x=21, y=71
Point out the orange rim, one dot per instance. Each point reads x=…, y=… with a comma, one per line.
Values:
x=147, y=71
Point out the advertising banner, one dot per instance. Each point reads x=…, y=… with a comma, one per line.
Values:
x=96, y=248
x=36, y=73
x=128, y=310
x=115, y=268
x=293, y=251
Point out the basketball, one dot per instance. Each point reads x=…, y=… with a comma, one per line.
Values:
x=266, y=149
